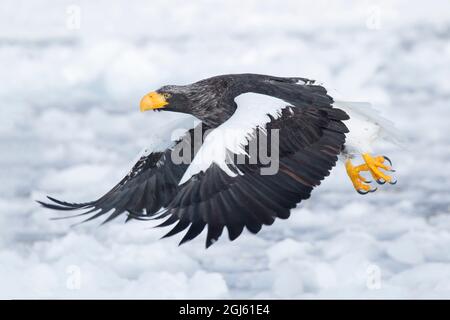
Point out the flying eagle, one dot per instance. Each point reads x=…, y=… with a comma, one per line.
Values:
x=224, y=179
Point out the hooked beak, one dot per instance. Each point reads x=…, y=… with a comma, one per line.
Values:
x=152, y=101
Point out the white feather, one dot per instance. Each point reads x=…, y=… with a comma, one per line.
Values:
x=232, y=135
x=366, y=127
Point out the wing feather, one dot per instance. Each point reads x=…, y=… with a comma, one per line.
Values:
x=310, y=140
x=149, y=186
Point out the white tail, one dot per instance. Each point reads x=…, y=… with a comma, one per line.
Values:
x=365, y=111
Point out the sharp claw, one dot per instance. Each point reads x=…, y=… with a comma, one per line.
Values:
x=393, y=182
x=380, y=181
x=367, y=181
x=362, y=192
x=388, y=160
x=391, y=170
x=373, y=190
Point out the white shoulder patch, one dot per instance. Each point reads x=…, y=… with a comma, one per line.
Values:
x=232, y=135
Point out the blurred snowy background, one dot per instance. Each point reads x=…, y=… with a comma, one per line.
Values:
x=72, y=74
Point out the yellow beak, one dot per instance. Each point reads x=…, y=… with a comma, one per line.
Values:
x=151, y=101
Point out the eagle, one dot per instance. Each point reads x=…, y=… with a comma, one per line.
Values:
x=253, y=148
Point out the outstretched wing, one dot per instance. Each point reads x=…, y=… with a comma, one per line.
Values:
x=217, y=193
x=149, y=186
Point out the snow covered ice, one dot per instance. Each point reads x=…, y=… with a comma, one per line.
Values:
x=70, y=127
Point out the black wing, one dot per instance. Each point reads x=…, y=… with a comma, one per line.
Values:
x=149, y=186
x=311, y=137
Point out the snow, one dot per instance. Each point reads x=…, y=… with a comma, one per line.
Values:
x=70, y=125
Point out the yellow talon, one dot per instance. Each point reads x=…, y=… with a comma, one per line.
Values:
x=359, y=183
x=373, y=165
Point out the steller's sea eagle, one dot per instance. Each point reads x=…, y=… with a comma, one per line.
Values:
x=224, y=179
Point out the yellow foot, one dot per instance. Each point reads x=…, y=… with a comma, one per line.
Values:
x=359, y=183
x=373, y=165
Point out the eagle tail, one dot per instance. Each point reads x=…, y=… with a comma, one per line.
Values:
x=365, y=110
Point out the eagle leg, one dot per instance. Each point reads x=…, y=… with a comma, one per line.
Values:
x=359, y=183
x=374, y=164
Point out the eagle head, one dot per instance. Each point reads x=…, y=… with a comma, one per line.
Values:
x=209, y=100
x=167, y=98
